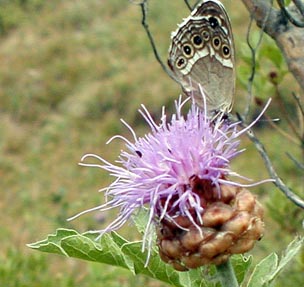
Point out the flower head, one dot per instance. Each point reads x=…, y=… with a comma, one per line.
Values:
x=176, y=171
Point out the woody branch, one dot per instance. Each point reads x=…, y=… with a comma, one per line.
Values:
x=285, y=26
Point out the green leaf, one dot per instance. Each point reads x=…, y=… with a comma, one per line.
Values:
x=266, y=271
x=115, y=250
x=260, y=275
x=85, y=246
x=241, y=266
x=52, y=243
x=156, y=268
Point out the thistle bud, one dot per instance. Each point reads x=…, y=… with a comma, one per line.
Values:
x=229, y=224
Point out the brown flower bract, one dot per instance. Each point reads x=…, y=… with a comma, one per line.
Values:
x=230, y=224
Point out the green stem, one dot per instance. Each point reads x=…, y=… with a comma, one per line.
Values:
x=226, y=274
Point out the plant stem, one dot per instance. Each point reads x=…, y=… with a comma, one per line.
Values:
x=226, y=274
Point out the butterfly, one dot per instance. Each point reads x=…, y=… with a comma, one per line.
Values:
x=201, y=56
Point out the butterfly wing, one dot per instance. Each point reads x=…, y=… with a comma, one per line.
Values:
x=201, y=56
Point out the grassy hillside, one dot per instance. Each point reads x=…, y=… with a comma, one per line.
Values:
x=69, y=71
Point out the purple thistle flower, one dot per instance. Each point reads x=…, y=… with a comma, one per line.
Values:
x=161, y=170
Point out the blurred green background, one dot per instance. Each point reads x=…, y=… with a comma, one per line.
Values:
x=69, y=71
